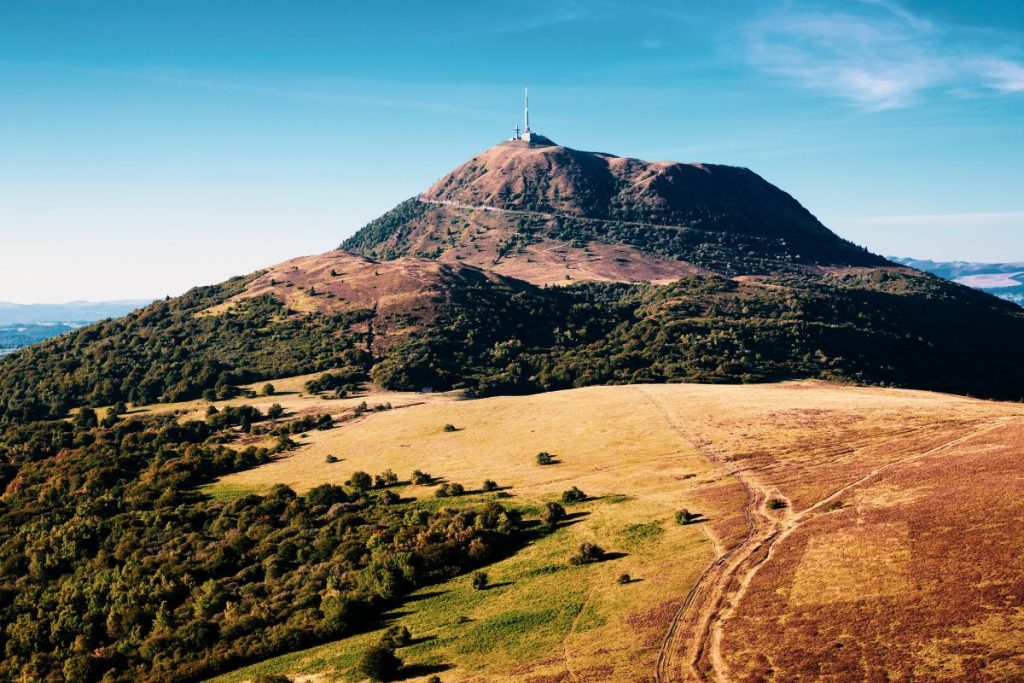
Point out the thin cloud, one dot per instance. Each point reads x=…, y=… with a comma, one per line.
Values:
x=877, y=56
x=976, y=219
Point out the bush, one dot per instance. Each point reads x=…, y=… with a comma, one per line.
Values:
x=450, y=428
x=545, y=458
x=421, y=478
x=271, y=678
x=450, y=490
x=395, y=637
x=385, y=479
x=331, y=458
x=624, y=579
x=552, y=514
x=360, y=481
x=684, y=516
x=434, y=679
x=480, y=580
x=275, y=411
x=587, y=553
x=490, y=485
x=268, y=389
x=574, y=495
x=379, y=663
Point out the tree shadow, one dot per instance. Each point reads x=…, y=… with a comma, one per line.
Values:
x=424, y=596
x=421, y=639
x=614, y=555
x=500, y=584
x=419, y=670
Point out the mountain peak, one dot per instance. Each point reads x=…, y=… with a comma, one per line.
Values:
x=548, y=213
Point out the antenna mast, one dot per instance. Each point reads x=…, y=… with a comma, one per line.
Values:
x=526, y=107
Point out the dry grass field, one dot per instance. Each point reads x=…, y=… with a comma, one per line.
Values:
x=848, y=534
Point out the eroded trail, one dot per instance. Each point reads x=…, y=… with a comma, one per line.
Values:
x=691, y=648
x=684, y=650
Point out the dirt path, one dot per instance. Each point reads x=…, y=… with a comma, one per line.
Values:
x=684, y=648
x=691, y=648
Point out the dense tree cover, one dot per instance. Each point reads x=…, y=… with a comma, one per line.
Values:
x=113, y=566
x=171, y=350
x=875, y=327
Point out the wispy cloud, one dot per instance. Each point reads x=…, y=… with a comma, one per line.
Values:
x=976, y=219
x=878, y=55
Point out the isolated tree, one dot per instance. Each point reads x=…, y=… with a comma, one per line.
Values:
x=331, y=458
x=396, y=636
x=360, y=481
x=545, y=458
x=379, y=663
x=450, y=428
x=624, y=579
x=421, y=478
x=480, y=580
x=268, y=389
x=490, y=485
x=684, y=516
x=552, y=514
x=275, y=410
x=587, y=553
x=573, y=495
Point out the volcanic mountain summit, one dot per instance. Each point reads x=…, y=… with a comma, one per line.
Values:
x=550, y=214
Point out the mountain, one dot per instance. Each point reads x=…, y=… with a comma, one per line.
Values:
x=530, y=211
x=665, y=272
x=1004, y=280
x=73, y=311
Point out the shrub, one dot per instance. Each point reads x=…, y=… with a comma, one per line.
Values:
x=624, y=579
x=271, y=678
x=684, y=516
x=421, y=478
x=360, y=481
x=388, y=497
x=450, y=428
x=450, y=490
x=379, y=663
x=480, y=580
x=385, y=479
x=574, y=495
x=268, y=389
x=275, y=411
x=552, y=514
x=490, y=485
x=545, y=458
x=587, y=553
x=331, y=458
x=435, y=679
x=395, y=637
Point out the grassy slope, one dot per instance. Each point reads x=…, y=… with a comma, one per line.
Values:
x=633, y=449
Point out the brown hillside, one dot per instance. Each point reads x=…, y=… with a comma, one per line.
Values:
x=405, y=294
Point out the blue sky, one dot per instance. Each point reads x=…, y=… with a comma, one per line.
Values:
x=147, y=146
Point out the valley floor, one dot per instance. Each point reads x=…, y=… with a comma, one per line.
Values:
x=845, y=533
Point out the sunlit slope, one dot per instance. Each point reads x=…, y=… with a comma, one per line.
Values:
x=794, y=480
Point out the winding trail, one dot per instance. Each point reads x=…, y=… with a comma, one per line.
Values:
x=691, y=647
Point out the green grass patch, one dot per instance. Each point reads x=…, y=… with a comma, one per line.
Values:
x=635, y=536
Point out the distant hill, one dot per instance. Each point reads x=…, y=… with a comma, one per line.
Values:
x=78, y=311
x=24, y=324
x=1004, y=280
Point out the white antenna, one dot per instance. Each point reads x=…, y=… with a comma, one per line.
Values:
x=526, y=107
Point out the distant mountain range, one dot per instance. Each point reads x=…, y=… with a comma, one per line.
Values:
x=1005, y=280
x=79, y=311
x=24, y=324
